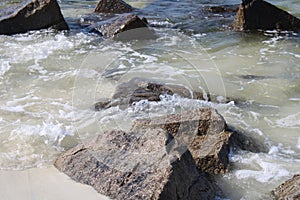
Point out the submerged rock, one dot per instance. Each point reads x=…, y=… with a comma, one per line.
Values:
x=32, y=15
x=261, y=15
x=142, y=164
x=113, y=7
x=138, y=89
x=289, y=190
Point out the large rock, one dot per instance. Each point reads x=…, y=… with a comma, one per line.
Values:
x=143, y=164
x=124, y=27
x=203, y=131
x=138, y=89
x=289, y=190
x=113, y=7
x=207, y=136
x=32, y=15
x=259, y=14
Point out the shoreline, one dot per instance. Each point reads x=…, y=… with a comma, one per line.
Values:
x=44, y=183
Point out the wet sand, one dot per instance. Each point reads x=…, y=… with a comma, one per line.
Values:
x=43, y=184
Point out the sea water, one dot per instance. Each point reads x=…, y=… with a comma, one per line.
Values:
x=49, y=82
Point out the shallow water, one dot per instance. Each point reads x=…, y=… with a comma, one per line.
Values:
x=49, y=82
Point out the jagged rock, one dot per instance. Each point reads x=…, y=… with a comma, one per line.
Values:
x=31, y=15
x=261, y=15
x=138, y=89
x=203, y=131
x=142, y=164
x=124, y=27
x=207, y=136
x=113, y=7
x=289, y=190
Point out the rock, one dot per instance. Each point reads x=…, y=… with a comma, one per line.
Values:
x=32, y=15
x=113, y=7
x=240, y=140
x=289, y=190
x=203, y=131
x=138, y=89
x=261, y=15
x=142, y=164
x=222, y=9
x=124, y=27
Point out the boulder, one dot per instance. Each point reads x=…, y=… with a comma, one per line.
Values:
x=138, y=89
x=261, y=15
x=207, y=136
x=289, y=190
x=141, y=164
x=113, y=7
x=124, y=27
x=203, y=131
x=31, y=15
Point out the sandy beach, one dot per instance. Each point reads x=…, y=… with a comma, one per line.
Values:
x=43, y=184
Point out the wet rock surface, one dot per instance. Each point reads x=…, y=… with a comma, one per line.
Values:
x=261, y=15
x=124, y=27
x=113, y=7
x=142, y=164
x=31, y=15
x=138, y=89
x=203, y=131
x=289, y=190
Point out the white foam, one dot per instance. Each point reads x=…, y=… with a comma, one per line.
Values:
x=262, y=170
x=4, y=67
x=291, y=121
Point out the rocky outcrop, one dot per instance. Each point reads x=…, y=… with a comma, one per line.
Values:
x=261, y=15
x=138, y=89
x=113, y=7
x=203, y=131
x=142, y=164
x=32, y=15
x=124, y=27
x=289, y=190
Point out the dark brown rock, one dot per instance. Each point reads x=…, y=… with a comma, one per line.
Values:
x=138, y=89
x=289, y=190
x=32, y=15
x=113, y=7
x=124, y=27
x=203, y=131
x=261, y=15
x=222, y=9
x=143, y=164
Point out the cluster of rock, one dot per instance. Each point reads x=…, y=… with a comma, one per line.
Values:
x=116, y=17
x=169, y=157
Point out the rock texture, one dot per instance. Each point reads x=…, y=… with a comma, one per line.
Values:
x=32, y=15
x=124, y=27
x=113, y=7
x=142, y=164
x=289, y=190
x=259, y=14
x=138, y=89
x=203, y=131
